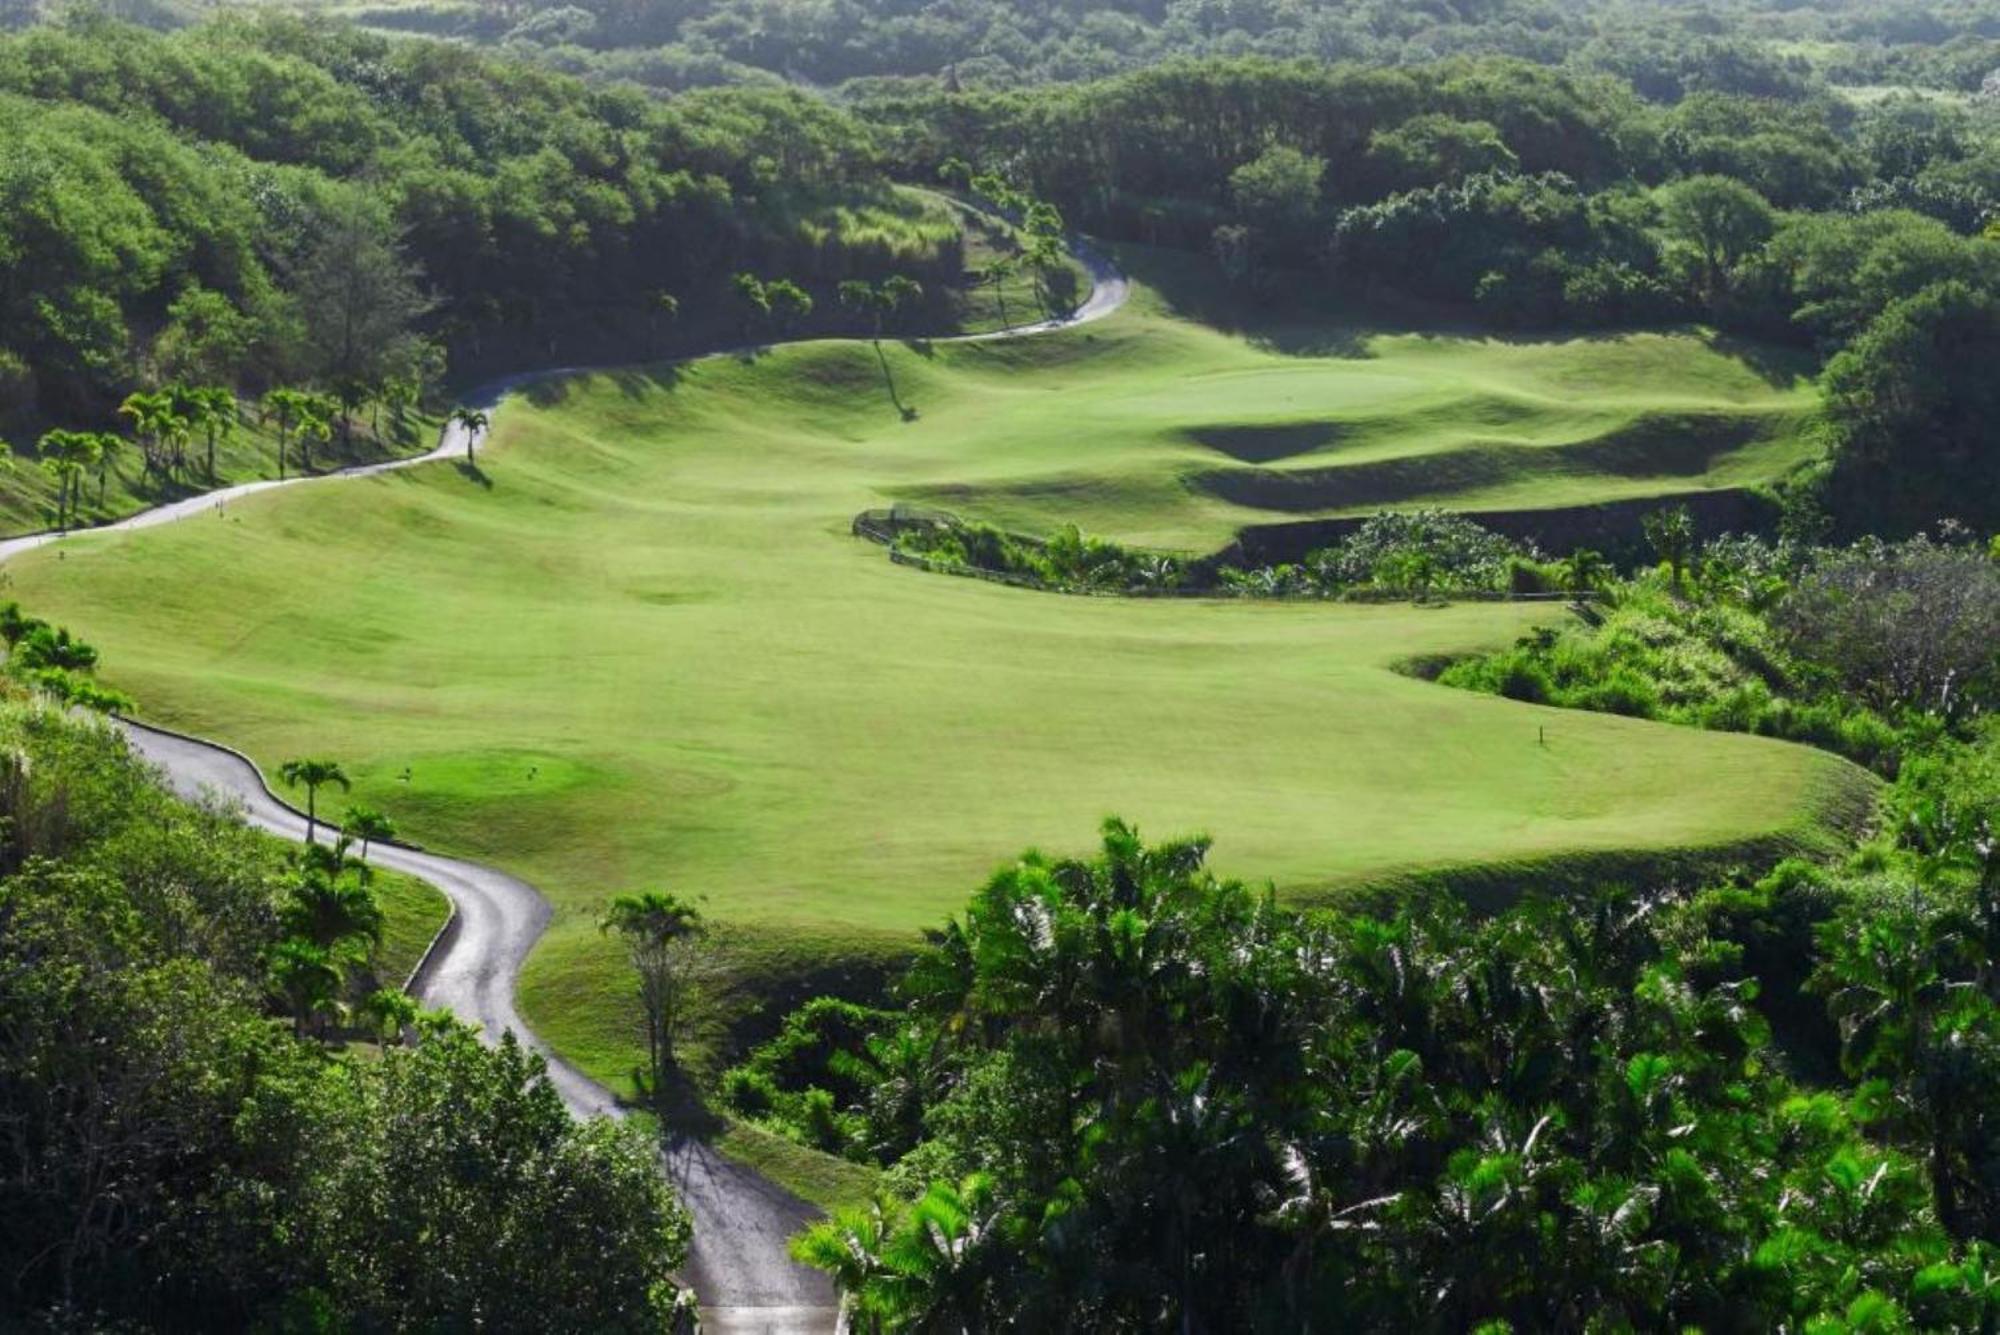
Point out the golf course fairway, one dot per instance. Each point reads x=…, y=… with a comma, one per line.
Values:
x=635, y=646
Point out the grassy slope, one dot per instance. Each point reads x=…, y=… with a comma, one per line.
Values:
x=640, y=650
x=413, y=911
x=1177, y=435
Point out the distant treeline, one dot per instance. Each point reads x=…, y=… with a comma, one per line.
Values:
x=1667, y=50
x=1541, y=198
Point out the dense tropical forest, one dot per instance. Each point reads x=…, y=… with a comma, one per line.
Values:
x=1683, y=1080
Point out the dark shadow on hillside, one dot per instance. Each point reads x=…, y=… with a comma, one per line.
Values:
x=1307, y=314
x=472, y=472
x=1257, y=444
x=1676, y=445
x=632, y=381
x=1776, y=365
x=1290, y=316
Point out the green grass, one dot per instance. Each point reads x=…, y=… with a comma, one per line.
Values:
x=413, y=912
x=822, y=1179
x=640, y=650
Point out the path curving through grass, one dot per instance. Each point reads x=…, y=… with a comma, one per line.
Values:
x=739, y=1264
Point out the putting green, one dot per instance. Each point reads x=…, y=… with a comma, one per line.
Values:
x=638, y=648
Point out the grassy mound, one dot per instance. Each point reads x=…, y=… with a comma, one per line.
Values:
x=634, y=647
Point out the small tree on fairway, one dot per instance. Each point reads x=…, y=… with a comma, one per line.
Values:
x=473, y=423
x=312, y=775
x=367, y=825
x=1671, y=533
x=661, y=934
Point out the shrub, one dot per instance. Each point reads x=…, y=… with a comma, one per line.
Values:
x=749, y=1092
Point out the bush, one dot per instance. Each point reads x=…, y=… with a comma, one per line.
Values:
x=749, y=1092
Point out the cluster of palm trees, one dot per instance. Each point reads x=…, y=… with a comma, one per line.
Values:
x=778, y=302
x=166, y=423
x=302, y=415
x=331, y=918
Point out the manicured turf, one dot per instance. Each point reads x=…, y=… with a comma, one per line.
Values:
x=413, y=911
x=638, y=647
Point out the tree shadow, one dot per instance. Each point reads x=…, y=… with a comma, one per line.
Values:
x=472, y=472
x=907, y=411
x=1776, y=365
x=681, y=1108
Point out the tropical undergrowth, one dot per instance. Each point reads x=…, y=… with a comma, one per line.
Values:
x=1419, y=553
x=1868, y=651
x=1121, y=1093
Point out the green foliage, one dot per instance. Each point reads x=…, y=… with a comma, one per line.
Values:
x=180, y=1162
x=1151, y=1097
x=1912, y=403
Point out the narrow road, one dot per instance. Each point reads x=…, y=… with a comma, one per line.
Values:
x=739, y=1265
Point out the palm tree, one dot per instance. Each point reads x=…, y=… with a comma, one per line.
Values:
x=108, y=445
x=659, y=930
x=215, y=415
x=473, y=423
x=316, y=416
x=1671, y=533
x=331, y=911
x=400, y=394
x=313, y=774
x=999, y=273
x=1584, y=570
x=306, y=979
x=152, y=414
x=789, y=303
x=849, y=1248
x=367, y=825
x=67, y=456
x=756, y=299
x=180, y=424
x=392, y=1010
x=286, y=407
x=664, y=306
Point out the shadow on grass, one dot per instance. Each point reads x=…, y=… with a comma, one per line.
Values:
x=680, y=1106
x=472, y=472
x=1307, y=314
x=632, y=381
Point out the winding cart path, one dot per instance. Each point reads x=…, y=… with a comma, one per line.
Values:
x=739, y=1265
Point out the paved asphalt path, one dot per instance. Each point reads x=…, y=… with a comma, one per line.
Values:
x=739, y=1265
